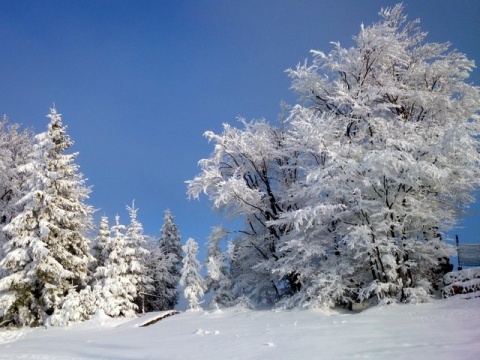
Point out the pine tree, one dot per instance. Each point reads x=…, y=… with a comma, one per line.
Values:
x=136, y=256
x=191, y=279
x=160, y=265
x=218, y=279
x=170, y=247
x=15, y=149
x=113, y=280
x=48, y=252
x=101, y=242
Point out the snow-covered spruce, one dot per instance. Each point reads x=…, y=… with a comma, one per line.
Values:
x=218, y=279
x=47, y=254
x=136, y=255
x=15, y=150
x=191, y=279
x=169, y=252
x=100, y=244
x=113, y=284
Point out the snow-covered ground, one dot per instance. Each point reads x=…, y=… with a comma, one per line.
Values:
x=445, y=329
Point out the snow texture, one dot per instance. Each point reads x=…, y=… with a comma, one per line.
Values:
x=443, y=330
x=462, y=282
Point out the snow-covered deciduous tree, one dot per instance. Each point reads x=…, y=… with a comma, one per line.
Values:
x=248, y=175
x=349, y=198
x=191, y=279
x=170, y=250
x=48, y=251
x=395, y=127
x=218, y=279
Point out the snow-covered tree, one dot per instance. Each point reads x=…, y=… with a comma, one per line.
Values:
x=348, y=199
x=248, y=175
x=396, y=128
x=77, y=306
x=113, y=280
x=218, y=279
x=160, y=265
x=191, y=279
x=15, y=149
x=170, y=249
x=100, y=246
x=136, y=254
x=48, y=250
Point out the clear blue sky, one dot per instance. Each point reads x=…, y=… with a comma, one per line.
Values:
x=139, y=82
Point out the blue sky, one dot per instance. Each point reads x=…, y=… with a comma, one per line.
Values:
x=139, y=82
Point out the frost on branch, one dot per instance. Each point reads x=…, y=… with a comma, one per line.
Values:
x=349, y=198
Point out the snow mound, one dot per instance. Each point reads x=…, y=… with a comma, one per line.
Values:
x=462, y=282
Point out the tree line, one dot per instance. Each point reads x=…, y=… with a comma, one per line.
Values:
x=345, y=199
x=51, y=272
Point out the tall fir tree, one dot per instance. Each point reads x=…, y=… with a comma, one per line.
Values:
x=170, y=246
x=136, y=255
x=194, y=284
x=160, y=265
x=48, y=252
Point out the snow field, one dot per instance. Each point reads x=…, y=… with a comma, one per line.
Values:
x=445, y=329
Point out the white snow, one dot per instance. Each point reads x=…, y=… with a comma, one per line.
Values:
x=444, y=329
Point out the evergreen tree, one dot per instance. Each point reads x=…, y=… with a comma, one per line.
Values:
x=15, y=149
x=191, y=278
x=218, y=279
x=113, y=280
x=136, y=256
x=101, y=242
x=170, y=247
x=48, y=252
x=160, y=265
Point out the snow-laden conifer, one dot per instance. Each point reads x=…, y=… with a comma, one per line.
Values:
x=100, y=246
x=194, y=284
x=218, y=279
x=48, y=251
x=15, y=150
x=113, y=281
x=160, y=265
x=170, y=249
x=136, y=255
x=77, y=306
